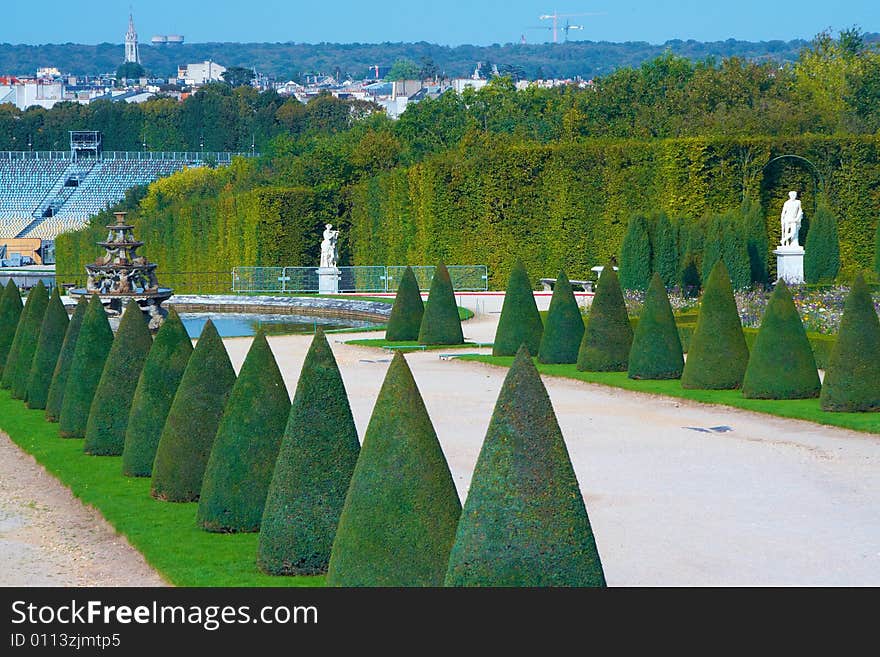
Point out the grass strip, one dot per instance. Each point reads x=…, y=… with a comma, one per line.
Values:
x=165, y=533
x=798, y=409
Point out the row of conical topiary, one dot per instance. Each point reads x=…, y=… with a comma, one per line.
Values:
x=781, y=364
x=295, y=472
x=434, y=322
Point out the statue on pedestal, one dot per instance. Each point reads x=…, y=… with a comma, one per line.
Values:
x=792, y=215
x=329, y=252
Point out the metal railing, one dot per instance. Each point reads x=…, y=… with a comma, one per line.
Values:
x=377, y=278
x=221, y=157
x=185, y=282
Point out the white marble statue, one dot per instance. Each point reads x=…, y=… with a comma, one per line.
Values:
x=792, y=214
x=329, y=252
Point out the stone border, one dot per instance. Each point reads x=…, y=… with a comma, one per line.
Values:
x=352, y=308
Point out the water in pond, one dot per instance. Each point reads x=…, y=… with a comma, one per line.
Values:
x=232, y=325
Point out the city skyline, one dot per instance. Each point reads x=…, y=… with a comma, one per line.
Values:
x=451, y=23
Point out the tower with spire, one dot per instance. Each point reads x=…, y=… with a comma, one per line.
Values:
x=131, y=43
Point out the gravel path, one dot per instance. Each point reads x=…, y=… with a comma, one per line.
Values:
x=757, y=501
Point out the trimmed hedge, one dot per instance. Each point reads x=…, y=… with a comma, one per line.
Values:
x=10, y=312
x=520, y=322
x=717, y=355
x=24, y=345
x=407, y=311
x=92, y=346
x=564, y=328
x=635, y=254
x=55, y=398
x=189, y=431
x=111, y=405
x=401, y=511
x=440, y=322
x=52, y=332
x=822, y=249
x=608, y=334
x=156, y=386
x=315, y=464
x=852, y=379
x=243, y=456
x=524, y=522
x=781, y=363
x=656, y=348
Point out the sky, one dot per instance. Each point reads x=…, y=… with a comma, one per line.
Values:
x=448, y=22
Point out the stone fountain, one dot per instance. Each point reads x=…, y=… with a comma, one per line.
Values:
x=121, y=275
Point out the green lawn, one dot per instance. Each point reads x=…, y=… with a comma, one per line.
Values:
x=801, y=409
x=413, y=344
x=165, y=533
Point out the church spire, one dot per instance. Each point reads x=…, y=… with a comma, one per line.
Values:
x=131, y=43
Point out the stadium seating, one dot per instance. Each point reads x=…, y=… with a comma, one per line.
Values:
x=29, y=186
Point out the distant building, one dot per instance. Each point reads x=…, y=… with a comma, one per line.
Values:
x=131, y=43
x=167, y=40
x=460, y=84
x=201, y=73
x=48, y=72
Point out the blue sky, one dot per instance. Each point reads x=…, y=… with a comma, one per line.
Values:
x=449, y=22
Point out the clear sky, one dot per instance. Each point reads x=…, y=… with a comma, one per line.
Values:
x=450, y=22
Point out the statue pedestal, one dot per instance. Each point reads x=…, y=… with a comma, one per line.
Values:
x=790, y=264
x=328, y=280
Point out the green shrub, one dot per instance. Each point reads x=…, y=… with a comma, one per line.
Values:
x=608, y=334
x=189, y=431
x=440, y=322
x=243, y=456
x=24, y=344
x=52, y=332
x=713, y=246
x=736, y=251
x=876, y=263
x=111, y=405
x=656, y=348
x=155, y=391
x=781, y=364
x=564, y=327
x=690, y=276
x=55, y=398
x=524, y=522
x=757, y=242
x=717, y=354
x=520, y=322
x=852, y=379
x=399, y=518
x=635, y=255
x=317, y=458
x=10, y=313
x=822, y=250
x=407, y=311
x=664, y=250
x=92, y=346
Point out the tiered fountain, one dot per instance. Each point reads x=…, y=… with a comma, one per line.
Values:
x=121, y=275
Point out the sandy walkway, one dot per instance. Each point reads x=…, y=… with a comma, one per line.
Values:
x=768, y=502
x=49, y=538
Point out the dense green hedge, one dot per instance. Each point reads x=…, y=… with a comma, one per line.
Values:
x=567, y=205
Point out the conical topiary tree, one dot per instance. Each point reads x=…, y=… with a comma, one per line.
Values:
x=781, y=365
x=852, y=377
x=565, y=326
x=24, y=344
x=245, y=449
x=10, y=313
x=407, y=311
x=822, y=249
x=401, y=511
x=318, y=454
x=758, y=245
x=608, y=334
x=524, y=522
x=635, y=255
x=189, y=431
x=656, y=346
x=717, y=355
x=440, y=322
x=713, y=246
x=52, y=331
x=520, y=322
x=155, y=391
x=664, y=250
x=111, y=405
x=55, y=397
x=92, y=346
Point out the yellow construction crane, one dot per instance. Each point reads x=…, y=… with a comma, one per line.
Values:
x=555, y=18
